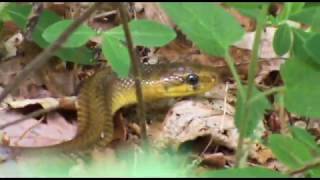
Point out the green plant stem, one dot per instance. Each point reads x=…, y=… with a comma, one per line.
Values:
x=306, y=167
x=44, y=57
x=136, y=71
x=266, y=93
x=251, y=75
x=230, y=61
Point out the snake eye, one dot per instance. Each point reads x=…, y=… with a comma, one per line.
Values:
x=192, y=79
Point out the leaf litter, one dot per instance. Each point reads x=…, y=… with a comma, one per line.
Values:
x=186, y=121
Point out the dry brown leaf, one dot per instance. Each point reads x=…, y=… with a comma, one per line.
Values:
x=56, y=130
x=44, y=102
x=217, y=160
x=11, y=45
x=30, y=88
x=261, y=153
x=54, y=75
x=154, y=12
x=120, y=130
x=189, y=119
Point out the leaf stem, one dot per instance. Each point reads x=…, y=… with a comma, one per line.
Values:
x=266, y=93
x=230, y=61
x=240, y=154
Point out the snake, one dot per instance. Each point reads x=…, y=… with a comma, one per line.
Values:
x=104, y=93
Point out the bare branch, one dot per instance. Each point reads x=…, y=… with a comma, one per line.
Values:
x=136, y=70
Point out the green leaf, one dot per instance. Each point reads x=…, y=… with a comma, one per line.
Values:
x=209, y=26
x=282, y=40
x=19, y=14
x=78, y=38
x=297, y=7
x=315, y=25
x=311, y=46
x=312, y=4
x=257, y=109
x=81, y=55
x=117, y=54
x=46, y=19
x=249, y=172
x=245, y=5
x=289, y=9
x=291, y=152
x=4, y=16
x=145, y=33
x=252, y=13
x=306, y=138
x=298, y=48
x=306, y=15
x=302, y=95
x=285, y=12
x=250, y=9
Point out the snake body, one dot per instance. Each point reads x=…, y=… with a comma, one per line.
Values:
x=103, y=94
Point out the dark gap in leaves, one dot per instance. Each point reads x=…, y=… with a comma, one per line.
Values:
x=44, y=86
x=225, y=132
x=69, y=115
x=272, y=122
x=197, y=146
x=92, y=45
x=69, y=66
x=106, y=19
x=273, y=79
x=29, y=109
x=275, y=9
x=143, y=53
x=230, y=81
x=315, y=132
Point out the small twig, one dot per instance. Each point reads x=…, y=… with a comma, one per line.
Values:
x=28, y=116
x=105, y=14
x=230, y=61
x=306, y=167
x=136, y=71
x=36, y=11
x=43, y=58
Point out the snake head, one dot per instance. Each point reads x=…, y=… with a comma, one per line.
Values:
x=178, y=80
